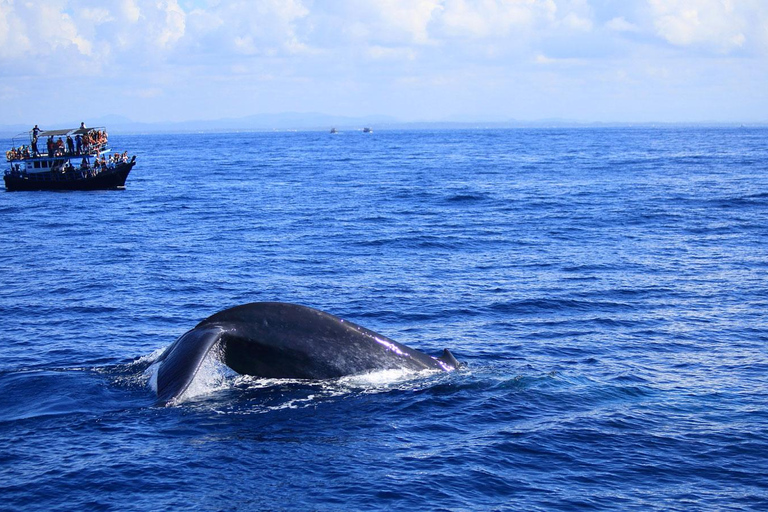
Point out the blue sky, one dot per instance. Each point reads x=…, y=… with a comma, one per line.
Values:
x=415, y=60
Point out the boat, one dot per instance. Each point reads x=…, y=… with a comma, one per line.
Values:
x=83, y=162
x=333, y=130
x=367, y=130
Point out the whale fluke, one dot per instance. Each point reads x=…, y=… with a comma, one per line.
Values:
x=279, y=340
x=181, y=361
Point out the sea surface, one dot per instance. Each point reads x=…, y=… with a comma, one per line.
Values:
x=606, y=289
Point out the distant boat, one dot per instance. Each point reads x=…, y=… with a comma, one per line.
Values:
x=333, y=130
x=86, y=165
x=367, y=130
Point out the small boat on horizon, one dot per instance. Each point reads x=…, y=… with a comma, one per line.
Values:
x=83, y=162
x=333, y=130
x=367, y=130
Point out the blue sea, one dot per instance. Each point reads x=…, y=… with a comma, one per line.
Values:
x=606, y=289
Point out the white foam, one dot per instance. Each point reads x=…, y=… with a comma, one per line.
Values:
x=211, y=376
x=150, y=374
x=380, y=378
x=150, y=358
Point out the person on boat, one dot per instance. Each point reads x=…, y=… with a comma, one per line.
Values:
x=86, y=142
x=59, y=147
x=35, y=133
x=70, y=145
x=50, y=145
x=82, y=125
x=78, y=143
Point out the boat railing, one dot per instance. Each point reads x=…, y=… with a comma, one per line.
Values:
x=26, y=153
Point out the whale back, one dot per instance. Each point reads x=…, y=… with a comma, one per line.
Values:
x=277, y=340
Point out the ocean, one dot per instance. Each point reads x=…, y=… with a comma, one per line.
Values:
x=605, y=288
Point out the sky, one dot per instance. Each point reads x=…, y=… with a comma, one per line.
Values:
x=412, y=60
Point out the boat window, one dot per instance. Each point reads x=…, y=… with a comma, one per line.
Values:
x=37, y=165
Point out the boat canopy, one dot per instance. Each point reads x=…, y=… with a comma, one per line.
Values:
x=70, y=131
x=43, y=134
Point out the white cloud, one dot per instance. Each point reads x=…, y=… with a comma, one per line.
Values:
x=31, y=30
x=129, y=11
x=382, y=52
x=549, y=61
x=576, y=22
x=410, y=16
x=171, y=23
x=228, y=29
x=494, y=18
x=382, y=22
x=96, y=15
x=619, y=24
x=717, y=24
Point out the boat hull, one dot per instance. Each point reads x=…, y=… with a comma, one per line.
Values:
x=106, y=180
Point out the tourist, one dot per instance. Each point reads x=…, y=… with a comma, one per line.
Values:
x=86, y=142
x=35, y=133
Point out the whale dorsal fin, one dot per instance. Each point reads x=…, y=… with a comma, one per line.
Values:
x=181, y=361
x=448, y=359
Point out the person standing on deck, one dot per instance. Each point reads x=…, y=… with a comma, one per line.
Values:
x=35, y=133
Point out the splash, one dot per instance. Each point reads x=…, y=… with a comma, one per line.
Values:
x=214, y=376
x=384, y=380
x=211, y=376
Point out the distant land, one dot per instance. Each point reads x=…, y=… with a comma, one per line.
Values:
x=301, y=121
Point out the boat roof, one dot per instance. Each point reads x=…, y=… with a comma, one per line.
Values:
x=67, y=131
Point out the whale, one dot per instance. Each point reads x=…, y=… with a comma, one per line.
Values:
x=277, y=340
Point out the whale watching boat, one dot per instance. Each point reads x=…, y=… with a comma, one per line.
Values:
x=69, y=159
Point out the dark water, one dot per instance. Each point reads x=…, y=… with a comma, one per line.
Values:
x=606, y=289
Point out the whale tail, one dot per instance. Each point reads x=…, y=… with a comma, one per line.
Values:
x=182, y=360
x=448, y=360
